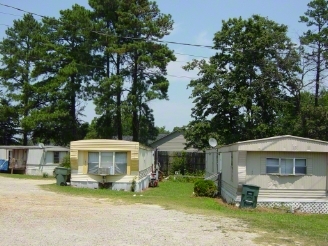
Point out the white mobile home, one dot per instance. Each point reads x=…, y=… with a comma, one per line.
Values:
x=112, y=164
x=33, y=160
x=289, y=170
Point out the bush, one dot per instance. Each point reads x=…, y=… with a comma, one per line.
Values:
x=205, y=188
x=66, y=162
x=179, y=163
x=45, y=175
x=133, y=184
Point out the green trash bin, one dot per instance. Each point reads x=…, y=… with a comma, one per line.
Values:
x=249, y=196
x=62, y=174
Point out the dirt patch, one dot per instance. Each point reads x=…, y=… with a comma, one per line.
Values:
x=31, y=216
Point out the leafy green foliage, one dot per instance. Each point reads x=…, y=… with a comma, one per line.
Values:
x=205, y=188
x=66, y=62
x=132, y=69
x=162, y=130
x=66, y=162
x=9, y=121
x=178, y=163
x=20, y=51
x=244, y=86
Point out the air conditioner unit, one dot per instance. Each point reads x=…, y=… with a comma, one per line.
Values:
x=104, y=170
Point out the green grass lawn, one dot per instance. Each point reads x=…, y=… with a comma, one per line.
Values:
x=278, y=226
x=24, y=176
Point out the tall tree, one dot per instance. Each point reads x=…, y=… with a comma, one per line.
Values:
x=109, y=89
x=66, y=73
x=146, y=60
x=20, y=52
x=138, y=64
x=244, y=86
x=316, y=18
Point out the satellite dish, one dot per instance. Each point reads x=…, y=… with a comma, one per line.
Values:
x=41, y=145
x=212, y=142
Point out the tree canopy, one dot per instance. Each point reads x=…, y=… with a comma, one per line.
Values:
x=258, y=84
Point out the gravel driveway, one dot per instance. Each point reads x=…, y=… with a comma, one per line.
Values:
x=31, y=216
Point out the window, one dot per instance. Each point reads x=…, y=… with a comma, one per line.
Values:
x=300, y=166
x=116, y=162
x=286, y=166
x=56, y=157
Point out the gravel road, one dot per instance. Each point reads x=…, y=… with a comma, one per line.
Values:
x=32, y=216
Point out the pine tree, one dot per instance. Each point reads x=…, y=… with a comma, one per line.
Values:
x=138, y=63
x=315, y=39
x=20, y=53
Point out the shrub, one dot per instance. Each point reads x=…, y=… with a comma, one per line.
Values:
x=45, y=175
x=205, y=188
x=66, y=162
x=178, y=163
x=133, y=184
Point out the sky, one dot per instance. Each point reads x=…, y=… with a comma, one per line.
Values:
x=195, y=22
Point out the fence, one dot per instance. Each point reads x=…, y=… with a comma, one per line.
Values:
x=195, y=161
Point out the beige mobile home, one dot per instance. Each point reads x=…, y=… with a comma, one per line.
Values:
x=112, y=164
x=289, y=170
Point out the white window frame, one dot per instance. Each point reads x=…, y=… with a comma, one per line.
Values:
x=114, y=164
x=280, y=166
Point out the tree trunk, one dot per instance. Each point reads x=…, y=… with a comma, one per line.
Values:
x=72, y=112
x=118, y=102
x=134, y=91
x=317, y=78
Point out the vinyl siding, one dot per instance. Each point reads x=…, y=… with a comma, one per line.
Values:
x=316, y=180
x=3, y=154
x=174, y=142
x=211, y=162
x=35, y=157
x=242, y=160
x=229, y=188
x=227, y=175
x=145, y=159
x=73, y=160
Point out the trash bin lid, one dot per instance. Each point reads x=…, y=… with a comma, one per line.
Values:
x=251, y=186
x=63, y=168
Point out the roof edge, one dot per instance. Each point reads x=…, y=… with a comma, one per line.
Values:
x=273, y=138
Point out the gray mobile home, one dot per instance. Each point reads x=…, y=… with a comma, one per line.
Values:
x=289, y=170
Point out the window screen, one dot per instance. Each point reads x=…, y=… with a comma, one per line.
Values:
x=300, y=166
x=287, y=166
x=93, y=162
x=272, y=165
x=120, y=163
